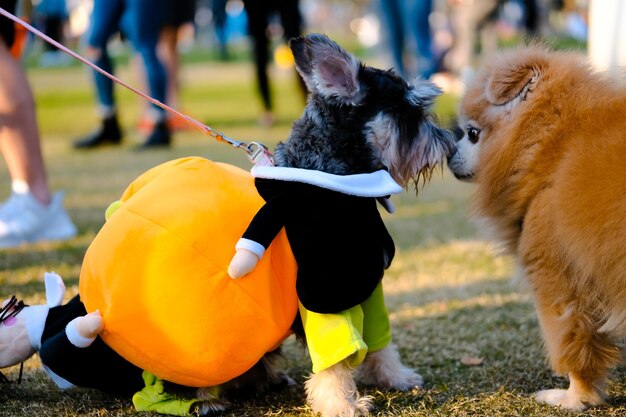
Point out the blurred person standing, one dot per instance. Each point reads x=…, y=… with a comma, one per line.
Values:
x=52, y=17
x=141, y=21
x=180, y=13
x=259, y=15
x=404, y=19
x=470, y=20
x=474, y=25
x=32, y=213
x=218, y=7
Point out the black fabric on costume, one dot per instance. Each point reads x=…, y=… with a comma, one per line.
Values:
x=339, y=241
x=96, y=366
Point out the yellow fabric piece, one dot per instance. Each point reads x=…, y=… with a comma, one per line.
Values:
x=153, y=398
x=157, y=271
x=112, y=209
x=349, y=334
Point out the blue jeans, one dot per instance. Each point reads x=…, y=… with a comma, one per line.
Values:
x=409, y=18
x=141, y=21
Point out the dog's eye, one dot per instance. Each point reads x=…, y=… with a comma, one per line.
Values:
x=473, y=134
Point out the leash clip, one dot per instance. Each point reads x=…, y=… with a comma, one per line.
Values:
x=259, y=155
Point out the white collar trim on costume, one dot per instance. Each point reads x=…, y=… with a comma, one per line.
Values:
x=375, y=184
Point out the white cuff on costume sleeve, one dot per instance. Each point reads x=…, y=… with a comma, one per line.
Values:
x=76, y=339
x=252, y=246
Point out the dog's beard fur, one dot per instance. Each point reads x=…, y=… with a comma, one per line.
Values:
x=408, y=161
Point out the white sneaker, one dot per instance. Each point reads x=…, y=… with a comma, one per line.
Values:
x=23, y=219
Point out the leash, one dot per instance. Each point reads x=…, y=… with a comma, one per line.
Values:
x=257, y=153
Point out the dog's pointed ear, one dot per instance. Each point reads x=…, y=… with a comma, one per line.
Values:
x=302, y=58
x=326, y=67
x=424, y=93
x=513, y=82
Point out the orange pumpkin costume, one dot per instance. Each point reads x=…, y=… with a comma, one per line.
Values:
x=157, y=271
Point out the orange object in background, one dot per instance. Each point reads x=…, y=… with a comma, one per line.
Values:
x=157, y=271
x=21, y=36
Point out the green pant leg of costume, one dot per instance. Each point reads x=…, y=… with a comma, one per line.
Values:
x=376, y=326
x=332, y=338
x=152, y=398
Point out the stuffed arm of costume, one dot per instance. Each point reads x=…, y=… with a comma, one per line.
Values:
x=262, y=230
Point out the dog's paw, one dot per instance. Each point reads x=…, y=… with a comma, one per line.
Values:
x=406, y=380
x=338, y=406
x=384, y=369
x=208, y=408
x=561, y=398
x=332, y=392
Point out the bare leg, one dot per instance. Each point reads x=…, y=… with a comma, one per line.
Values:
x=168, y=52
x=19, y=133
x=30, y=214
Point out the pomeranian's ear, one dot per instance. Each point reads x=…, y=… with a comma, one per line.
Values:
x=326, y=67
x=514, y=81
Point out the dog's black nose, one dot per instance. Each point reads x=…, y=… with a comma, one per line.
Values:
x=458, y=132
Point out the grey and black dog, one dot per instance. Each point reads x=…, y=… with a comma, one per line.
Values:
x=358, y=120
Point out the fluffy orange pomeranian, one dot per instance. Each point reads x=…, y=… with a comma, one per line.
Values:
x=545, y=142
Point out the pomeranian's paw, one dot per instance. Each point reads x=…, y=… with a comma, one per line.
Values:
x=90, y=325
x=565, y=398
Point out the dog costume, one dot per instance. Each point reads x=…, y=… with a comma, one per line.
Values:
x=341, y=247
x=68, y=358
x=157, y=271
x=73, y=360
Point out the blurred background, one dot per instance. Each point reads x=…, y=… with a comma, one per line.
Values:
x=219, y=27
x=455, y=314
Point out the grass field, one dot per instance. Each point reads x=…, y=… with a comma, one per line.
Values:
x=457, y=315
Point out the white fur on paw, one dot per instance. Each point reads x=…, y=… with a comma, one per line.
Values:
x=339, y=406
x=561, y=398
x=384, y=369
x=333, y=393
x=408, y=379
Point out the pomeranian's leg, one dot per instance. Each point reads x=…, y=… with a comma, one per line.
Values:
x=384, y=369
x=575, y=347
x=332, y=392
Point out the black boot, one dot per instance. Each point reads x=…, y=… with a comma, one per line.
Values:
x=159, y=137
x=108, y=133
